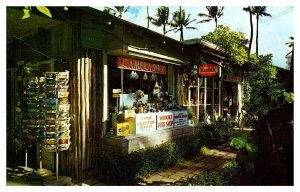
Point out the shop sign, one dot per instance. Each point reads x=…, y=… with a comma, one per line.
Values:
x=145, y=123
x=164, y=120
x=136, y=65
x=209, y=70
x=180, y=118
x=233, y=78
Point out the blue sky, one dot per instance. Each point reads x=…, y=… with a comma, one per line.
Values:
x=274, y=31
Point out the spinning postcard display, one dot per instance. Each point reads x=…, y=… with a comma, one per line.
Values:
x=57, y=111
x=33, y=114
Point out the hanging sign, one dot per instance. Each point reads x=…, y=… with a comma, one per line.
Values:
x=164, y=120
x=133, y=64
x=233, y=78
x=145, y=123
x=209, y=70
x=180, y=118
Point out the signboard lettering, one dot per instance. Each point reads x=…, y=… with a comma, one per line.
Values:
x=133, y=64
x=145, y=123
x=208, y=70
x=164, y=120
x=233, y=78
x=180, y=118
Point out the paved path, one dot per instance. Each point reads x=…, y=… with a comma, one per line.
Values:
x=214, y=158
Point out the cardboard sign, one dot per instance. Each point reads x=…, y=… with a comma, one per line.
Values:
x=180, y=118
x=133, y=64
x=164, y=120
x=145, y=122
x=208, y=70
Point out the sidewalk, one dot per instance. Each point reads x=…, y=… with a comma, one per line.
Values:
x=214, y=158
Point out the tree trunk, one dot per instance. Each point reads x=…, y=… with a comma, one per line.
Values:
x=257, y=19
x=216, y=21
x=181, y=27
x=251, y=31
x=147, y=17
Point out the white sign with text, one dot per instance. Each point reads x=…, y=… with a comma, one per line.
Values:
x=180, y=118
x=145, y=123
x=164, y=120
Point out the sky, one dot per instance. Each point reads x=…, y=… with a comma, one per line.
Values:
x=274, y=31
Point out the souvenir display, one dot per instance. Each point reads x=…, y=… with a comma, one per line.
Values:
x=57, y=111
x=33, y=119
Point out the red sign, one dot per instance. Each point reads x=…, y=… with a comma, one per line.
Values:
x=208, y=70
x=233, y=78
x=133, y=64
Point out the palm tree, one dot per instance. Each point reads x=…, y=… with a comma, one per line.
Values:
x=259, y=11
x=148, y=18
x=214, y=13
x=250, y=10
x=162, y=18
x=117, y=11
x=180, y=21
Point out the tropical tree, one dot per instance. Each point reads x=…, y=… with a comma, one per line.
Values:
x=231, y=41
x=118, y=11
x=214, y=12
x=180, y=21
x=162, y=18
x=259, y=11
x=249, y=9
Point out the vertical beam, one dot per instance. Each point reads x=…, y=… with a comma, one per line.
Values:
x=205, y=94
x=220, y=95
x=105, y=94
x=198, y=98
x=213, y=99
x=239, y=95
x=171, y=80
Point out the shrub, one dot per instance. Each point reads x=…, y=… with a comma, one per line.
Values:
x=218, y=131
x=129, y=169
x=207, y=178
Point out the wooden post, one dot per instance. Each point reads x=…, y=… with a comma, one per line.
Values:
x=83, y=106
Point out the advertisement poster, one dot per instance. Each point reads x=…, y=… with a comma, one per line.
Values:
x=180, y=118
x=145, y=123
x=164, y=120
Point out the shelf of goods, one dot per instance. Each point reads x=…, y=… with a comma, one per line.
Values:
x=57, y=111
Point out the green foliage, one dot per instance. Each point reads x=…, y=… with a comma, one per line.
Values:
x=162, y=18
x=207, y=178
x=231, y=41
x=131, y=168
x=180, y=21
x=247, y=151
x=261, y=85
x=42, y=9
x=288, y=97
x=217, y=131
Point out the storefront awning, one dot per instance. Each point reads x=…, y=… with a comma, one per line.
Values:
x=146, y=54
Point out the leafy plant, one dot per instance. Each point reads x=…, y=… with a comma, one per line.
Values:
x=247, y=151
x=42, y=9
x=131, y=168
x=218, y=131
x=225, y=176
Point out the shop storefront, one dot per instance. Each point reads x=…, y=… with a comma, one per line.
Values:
x=142, y=103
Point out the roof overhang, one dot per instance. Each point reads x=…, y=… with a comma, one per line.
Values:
x=130, y=51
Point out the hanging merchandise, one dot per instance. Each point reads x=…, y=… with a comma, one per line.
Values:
x=57, y=111
x=145, y=77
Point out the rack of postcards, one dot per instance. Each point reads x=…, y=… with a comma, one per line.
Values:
x=33, y=128
x=57, y=111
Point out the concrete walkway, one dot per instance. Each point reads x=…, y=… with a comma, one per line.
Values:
x=214, y=158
